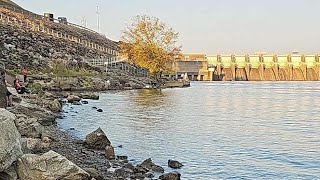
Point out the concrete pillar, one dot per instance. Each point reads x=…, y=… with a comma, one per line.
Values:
x=233, y=70
x=304, y=70
x=261, y=71
x=290, y=70
x=275, y=69
x=247, y=69
x=217, y=73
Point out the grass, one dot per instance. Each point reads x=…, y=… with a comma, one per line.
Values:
x=60, y=69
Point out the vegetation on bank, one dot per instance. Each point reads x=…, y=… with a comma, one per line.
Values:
x=150, y=43
x=61, y=69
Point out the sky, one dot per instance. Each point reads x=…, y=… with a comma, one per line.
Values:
x=205, y=26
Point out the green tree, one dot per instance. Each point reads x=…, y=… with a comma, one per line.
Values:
x=150, y=43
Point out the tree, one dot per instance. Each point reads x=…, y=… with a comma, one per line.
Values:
x=150, y=43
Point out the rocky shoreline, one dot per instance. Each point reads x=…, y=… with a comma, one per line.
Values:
x=43, y=151
x=32, y=147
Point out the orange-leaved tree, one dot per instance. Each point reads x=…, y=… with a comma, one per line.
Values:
x=150, y=43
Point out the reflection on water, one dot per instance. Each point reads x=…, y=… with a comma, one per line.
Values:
x=219, y=130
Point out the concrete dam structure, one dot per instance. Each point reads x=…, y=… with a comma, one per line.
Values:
x=259, y=68
x=266, y=68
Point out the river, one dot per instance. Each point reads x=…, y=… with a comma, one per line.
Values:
x=218, y=130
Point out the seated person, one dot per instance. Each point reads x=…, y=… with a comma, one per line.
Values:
x=19, y=87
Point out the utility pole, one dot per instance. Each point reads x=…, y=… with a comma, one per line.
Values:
x=84, y=21
x=98, y=19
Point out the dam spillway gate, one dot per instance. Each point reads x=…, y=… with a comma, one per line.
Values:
x=264, y=68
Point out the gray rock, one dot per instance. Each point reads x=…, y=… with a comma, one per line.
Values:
x=9, y=174
x=76, y=103
x=55, y=106
x=30, y=145
x=97, y=140
x=73, y=98
x=170, y=176
x=174, y=164
x=50, y=165
x=28, y=127
x=93, y=173
x=84, y=102
x=10, y=145
x=123, y=172
x=149, y=165
x=90, y=96
x=109, y=152
x=157, y=168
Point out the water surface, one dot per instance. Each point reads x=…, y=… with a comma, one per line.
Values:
x=218, y=130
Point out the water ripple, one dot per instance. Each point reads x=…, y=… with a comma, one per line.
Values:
x=219, y=130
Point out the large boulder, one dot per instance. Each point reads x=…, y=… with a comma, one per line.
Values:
x=97, y=140
x=43, y=116
x=28, y=127
x=49, y=166
x=10, y=147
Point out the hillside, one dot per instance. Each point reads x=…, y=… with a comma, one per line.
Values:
x=30, y=40
x=9, y=3
x=54, y=49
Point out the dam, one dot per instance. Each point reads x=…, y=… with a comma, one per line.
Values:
x=292, y=67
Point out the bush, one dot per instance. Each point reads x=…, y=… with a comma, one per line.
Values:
x=35, y=88
x=60, y=68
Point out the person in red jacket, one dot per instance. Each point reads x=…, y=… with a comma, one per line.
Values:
x=24, y=73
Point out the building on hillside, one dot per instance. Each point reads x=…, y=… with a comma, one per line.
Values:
x=48, y=16
x=63, y=20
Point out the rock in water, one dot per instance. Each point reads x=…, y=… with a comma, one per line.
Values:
x=174, y=164
x=109, y=152
x=90, y=96
x=50, y=165
x=149, y=165
x=73, y=98
x=170, y=176
x=97, y=140
x=55, y=106
x=10, y=146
